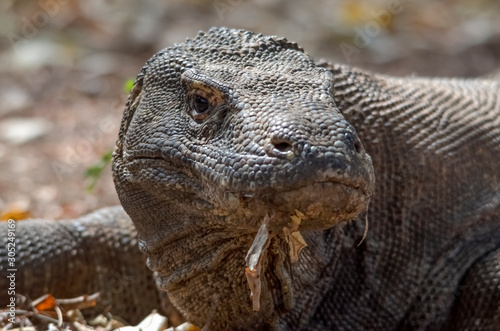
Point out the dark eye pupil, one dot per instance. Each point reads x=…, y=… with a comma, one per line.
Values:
x=200, y=104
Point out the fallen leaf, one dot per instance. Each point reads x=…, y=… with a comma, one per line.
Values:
x=295, y=243
x=45, y=302
x=153, y=322
x=184, y=327
x=81, y=302
x=14, y=211
x=293, y=236
x=254, y=262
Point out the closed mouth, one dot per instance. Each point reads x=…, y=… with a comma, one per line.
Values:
x=326, y=177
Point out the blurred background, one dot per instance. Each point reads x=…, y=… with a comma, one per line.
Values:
x=66, y=67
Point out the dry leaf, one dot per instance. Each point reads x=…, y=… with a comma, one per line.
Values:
x=45, y=302
x=293, y=236
x=15, y=212
x=184, y=327
x=295, y=243
x=153, y=322
x=254, y=262
x=81, y=302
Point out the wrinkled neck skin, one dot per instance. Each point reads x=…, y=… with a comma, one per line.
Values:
x=197, y=245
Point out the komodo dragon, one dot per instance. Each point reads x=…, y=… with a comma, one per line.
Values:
x=238, y=149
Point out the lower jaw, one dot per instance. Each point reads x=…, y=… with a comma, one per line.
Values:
x=321, y=206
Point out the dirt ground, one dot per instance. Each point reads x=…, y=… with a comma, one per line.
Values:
x=64, y=65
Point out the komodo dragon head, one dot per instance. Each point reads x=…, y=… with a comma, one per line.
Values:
x=226, y=134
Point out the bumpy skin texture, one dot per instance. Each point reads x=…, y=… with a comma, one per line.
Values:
x=435, y=212
x=68, y=258
x=227, y=128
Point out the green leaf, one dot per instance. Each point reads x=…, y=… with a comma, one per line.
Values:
x=93, y=173
x=127, y=87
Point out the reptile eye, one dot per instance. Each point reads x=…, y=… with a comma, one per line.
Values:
x=201, y=104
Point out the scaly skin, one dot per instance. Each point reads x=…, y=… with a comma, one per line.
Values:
x=68, y=258
x=227, y=128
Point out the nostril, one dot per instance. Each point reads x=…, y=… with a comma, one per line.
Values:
x=279, y=147
x=283, y=146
